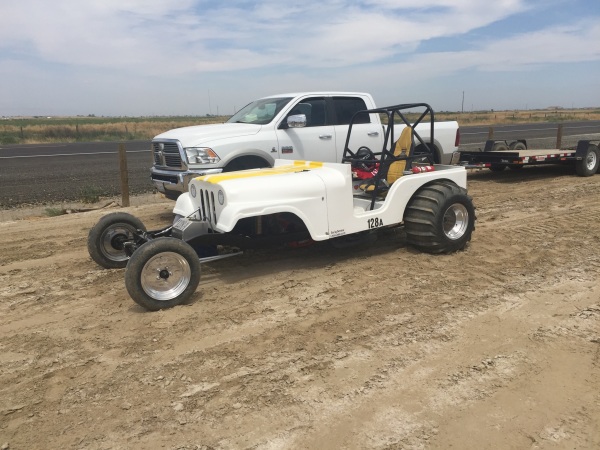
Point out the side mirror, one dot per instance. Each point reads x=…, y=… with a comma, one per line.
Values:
x=296, y=121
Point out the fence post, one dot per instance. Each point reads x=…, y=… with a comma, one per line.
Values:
x=491, y=133
x=559, y=133
x=124, y=176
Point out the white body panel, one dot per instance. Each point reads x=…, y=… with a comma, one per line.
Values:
x=199, y=135
x=321, y=194
x=311, y=143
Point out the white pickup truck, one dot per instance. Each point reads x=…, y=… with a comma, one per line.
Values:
x=302, y=126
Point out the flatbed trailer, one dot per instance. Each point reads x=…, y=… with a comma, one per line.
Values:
x=585, y=157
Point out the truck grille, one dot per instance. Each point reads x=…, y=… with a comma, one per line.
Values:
x=208, y=209
x=166, y=154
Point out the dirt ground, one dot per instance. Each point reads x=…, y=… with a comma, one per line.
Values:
x=380, y=347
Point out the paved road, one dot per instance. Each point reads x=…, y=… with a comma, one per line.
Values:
x=48, y=173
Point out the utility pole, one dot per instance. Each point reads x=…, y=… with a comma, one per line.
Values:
x=463, y=103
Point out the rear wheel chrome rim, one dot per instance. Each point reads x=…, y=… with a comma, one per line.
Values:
x=456, y=221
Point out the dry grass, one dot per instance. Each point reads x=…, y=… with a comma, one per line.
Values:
x=506, y=117
x=86, y=129
x=35, y=130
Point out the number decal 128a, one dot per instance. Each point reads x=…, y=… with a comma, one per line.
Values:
x=375, y=222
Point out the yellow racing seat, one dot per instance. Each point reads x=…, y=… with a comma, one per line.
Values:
x=396, y=168
x=401, y=148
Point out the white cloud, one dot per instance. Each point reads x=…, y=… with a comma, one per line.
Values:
x=190, y=37
x=556, y=45
x=149, y=54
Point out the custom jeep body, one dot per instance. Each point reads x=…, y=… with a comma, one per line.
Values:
x=292, y=201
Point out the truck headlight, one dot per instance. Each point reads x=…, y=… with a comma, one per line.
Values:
x=201, y=155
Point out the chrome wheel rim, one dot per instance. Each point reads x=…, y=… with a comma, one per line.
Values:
x=456, y=221
x=165, y=276
x=112, y=240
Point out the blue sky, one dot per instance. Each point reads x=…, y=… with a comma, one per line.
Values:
x=193, y=57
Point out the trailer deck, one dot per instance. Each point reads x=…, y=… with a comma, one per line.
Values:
x=585, y=157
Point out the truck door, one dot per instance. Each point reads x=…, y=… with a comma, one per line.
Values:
x=313, y=142
x=366, y=131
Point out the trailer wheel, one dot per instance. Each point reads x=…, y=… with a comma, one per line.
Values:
x=106, y=239
x=517, y=146
x=439, y=218
x=162, y=273
x=590, y=163
x=498, y=146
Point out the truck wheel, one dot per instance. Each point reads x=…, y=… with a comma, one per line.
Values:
x=162, y=273
x=590, y=163
x=422, y=150
x=245, y=163
x=106, y=239
x=439, y=218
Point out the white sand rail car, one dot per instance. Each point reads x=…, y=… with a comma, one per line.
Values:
x=585, y=157
x=291, y=201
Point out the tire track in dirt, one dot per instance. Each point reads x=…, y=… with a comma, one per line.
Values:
x=378, y=347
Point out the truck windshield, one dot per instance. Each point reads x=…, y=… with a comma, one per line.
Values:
x=260, y=112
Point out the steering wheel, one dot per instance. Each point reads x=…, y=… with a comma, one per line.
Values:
x=364, y=154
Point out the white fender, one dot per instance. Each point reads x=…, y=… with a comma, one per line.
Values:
x=184, y=205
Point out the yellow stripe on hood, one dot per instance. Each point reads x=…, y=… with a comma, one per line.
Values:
x=297, y=166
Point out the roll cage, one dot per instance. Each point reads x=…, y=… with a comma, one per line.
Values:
x=396, y=115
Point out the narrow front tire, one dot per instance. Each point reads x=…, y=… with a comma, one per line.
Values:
x=162, y=273
x=106, y=240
